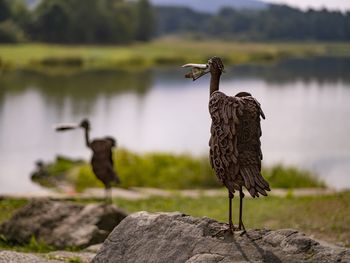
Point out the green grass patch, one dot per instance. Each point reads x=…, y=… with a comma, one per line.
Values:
x=33, y=246
x=165, y=170
x=166, y=51
x=9, y=206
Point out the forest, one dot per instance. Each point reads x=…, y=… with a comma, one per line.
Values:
x=119, y=22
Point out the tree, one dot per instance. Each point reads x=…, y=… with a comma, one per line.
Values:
x=5, y=10
x=52, y=21
x=145, y=21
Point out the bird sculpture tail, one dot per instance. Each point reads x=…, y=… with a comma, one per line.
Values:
x=254, y=181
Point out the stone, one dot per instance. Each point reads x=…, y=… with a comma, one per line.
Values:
x=17, y=257
x=175, y=237
x=62, y=224
x=52, y=257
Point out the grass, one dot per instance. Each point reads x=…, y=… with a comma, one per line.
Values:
x=165, y=170
x=323, y=217
x=8, y=206
x=33, y=246
x=160, y=52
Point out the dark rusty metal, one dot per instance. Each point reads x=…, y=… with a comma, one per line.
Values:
x=235, y=152
x=101, y=161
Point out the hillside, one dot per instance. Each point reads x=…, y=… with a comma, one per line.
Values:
x=209, y=6
x=206, y=6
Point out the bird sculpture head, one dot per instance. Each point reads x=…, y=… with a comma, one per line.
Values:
x=85, y=123
x=71, y=126
x=214, y=66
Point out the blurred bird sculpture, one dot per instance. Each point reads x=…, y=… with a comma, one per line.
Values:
x=235, y=153
x=101, y=161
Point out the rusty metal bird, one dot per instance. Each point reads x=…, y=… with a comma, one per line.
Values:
x=235, y=148
x=101, y=161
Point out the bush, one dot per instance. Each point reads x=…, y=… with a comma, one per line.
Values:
x=10, y=32
x=158, y=170
x=169, y=171
x=290, y=177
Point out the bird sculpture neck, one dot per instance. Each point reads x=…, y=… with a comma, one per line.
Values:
x=214, y=83
x=87, y=138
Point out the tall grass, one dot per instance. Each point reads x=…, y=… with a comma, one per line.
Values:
x=169, y=171
x=168, y=51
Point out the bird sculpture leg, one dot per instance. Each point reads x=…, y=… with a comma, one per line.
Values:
x=230, y=197
x=241, y=196
x=108, y=195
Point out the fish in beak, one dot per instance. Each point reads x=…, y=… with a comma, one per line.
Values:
x=197, y=70
x=66, y=126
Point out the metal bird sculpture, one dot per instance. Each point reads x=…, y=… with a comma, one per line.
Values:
x=101, y=161
x=235, y=152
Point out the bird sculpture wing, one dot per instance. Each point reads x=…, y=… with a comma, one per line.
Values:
x=235, y=153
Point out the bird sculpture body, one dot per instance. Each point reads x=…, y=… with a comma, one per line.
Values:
x=102, y=158
x=235, y=148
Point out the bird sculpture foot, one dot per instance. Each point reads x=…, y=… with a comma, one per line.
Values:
x=243, y=232
x=242, y=228
x=230, y=229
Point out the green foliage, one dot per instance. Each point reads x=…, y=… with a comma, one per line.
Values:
x=169, y=171
x=145, y=20
x=60, y=59
x=123, y=21
x=5, y=10
x=33, y=246
x=278, y=22
x=159, y=170
x=290, y=177
x=38, y=246
x=11, y=32
x=84, y=178
x=62, y=165
x=9, y=206
x=52, y=22
x=49, y=175
x=103, y=21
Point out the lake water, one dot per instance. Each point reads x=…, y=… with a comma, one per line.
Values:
x=306, y=102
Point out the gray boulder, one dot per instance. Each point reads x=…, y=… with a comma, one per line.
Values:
x=175, y=237
x=62, y=224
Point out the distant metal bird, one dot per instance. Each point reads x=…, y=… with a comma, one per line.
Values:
x=101, y=161
x=235, y=152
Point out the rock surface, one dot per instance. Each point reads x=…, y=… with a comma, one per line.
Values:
x=62, y=224
x=52, y=257
x=174, y=237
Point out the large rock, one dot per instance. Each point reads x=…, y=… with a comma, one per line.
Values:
x=174, y=237
x=62, y=224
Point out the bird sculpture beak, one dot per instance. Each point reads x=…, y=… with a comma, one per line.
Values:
x=66, y=126
x=197, y=70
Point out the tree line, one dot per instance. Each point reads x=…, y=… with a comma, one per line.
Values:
x=277, y=22
x=76, y=21
x=121, y=21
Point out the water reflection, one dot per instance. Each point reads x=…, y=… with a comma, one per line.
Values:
x=305, y=101
x=83, y=88
x=320, y=70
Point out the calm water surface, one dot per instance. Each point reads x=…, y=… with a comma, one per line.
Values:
x=307, y=104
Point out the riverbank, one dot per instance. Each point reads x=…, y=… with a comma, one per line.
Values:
x=159, y=170
x=64, y=59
